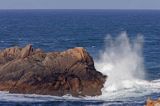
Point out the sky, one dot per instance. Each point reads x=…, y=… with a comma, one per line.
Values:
x=79, y=4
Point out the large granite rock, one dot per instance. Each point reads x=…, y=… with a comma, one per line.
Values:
x=25, y=70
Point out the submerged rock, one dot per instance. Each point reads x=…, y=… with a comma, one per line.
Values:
x=153, y=102
x=25, y=70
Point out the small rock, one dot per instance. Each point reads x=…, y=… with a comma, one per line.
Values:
x=152, y=102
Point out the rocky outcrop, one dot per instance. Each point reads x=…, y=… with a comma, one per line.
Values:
x=28, y=70
x=152, y=102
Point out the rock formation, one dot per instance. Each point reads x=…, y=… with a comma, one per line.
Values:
x=153, y=102
x=32, y=71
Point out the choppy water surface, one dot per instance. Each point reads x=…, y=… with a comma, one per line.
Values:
x=125, y=45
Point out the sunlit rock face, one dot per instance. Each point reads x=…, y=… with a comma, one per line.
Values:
x=32, y=71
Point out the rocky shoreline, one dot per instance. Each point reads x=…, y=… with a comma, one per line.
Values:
x=32, y=71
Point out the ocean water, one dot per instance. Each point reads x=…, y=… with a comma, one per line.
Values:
x=125, y=45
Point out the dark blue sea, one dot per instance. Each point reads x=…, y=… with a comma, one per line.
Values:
x=125, y=45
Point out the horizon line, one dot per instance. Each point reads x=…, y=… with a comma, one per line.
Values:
x=67, y=9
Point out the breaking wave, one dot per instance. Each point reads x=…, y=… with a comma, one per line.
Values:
x=122, y=62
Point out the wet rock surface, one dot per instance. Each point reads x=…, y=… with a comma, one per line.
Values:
x=32, y=71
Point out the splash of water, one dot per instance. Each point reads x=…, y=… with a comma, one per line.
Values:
x=121, y=60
